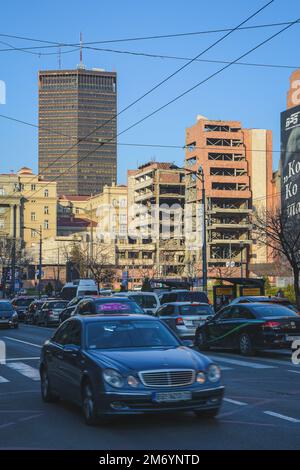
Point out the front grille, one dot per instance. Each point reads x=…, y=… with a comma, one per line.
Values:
x=167, y=378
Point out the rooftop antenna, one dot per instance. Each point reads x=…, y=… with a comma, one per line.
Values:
x=59, y=56
x=80, y=66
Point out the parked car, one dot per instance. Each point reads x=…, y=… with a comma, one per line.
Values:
x=32, y=314
x=249, y=327
x=107, y=305
x=106, y=291
x=21, y=305
x=79, y=288
x=50, y=311
x=184, y=317
x=148, y=301
x=8, y=315
x=123, y=364
x=266, y=299
x=183, y=295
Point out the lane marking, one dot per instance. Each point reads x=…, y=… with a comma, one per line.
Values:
x=295, y=371
x=253, y=365
x=235, y=402
x=278, y=415
x=24, y=342
x=25, y=370
x=3, y=380
x=35, y=358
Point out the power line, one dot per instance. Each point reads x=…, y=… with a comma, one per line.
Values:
x=155, y=87
x=138, y=38
x=182, y=94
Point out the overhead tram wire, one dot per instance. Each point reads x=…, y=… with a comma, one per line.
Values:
x=51, y=44
x=155, y=87
x=128, y=144
x=180, y=96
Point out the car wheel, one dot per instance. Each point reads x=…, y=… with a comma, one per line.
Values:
x=207, y=414
x=47, y=395
x=200, y=341
x=245, y=345
x=88, y=405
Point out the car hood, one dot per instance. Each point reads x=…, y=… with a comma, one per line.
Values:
x=149, y=359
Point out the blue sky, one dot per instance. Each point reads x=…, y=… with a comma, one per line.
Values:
x=253, y=95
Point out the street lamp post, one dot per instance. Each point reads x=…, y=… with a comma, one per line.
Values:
x=241, y=247
x=201, y=177
x=40, y=233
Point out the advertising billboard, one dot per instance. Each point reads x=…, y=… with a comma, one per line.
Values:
x=290, y=165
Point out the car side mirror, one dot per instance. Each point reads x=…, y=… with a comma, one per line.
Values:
x=188, y=343
x=71, y=348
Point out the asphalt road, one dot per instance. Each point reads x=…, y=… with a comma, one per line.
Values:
x=261, y=409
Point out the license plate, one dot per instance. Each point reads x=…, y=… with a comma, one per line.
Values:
x=160, y=397
x=291, y=338
x=188, y=323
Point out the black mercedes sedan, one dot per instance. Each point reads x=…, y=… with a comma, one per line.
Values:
x=249, y=327
x=127, y=364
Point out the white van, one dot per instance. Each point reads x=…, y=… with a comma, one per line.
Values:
x=79, y=288
x=148, y=301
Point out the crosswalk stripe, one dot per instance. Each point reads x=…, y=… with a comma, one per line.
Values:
x=253, y=365
x=3, y=380
x=235, y=402
x=25, y=369
x=278, y=415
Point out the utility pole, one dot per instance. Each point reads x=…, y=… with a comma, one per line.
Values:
x=13, y=252
x=204, y=242
x=40, y=262
x=241, y=246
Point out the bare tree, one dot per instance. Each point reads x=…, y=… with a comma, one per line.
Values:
x=22, y=260
x=281, y=235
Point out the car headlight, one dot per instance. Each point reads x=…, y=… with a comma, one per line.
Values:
x=15, y=315
x=132, y=381
x=113, y=378
x=214, y=373
x=200, y=378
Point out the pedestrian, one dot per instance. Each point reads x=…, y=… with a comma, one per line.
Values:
x=280, y=293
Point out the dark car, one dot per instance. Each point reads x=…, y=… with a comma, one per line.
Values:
x=8, y=315
x=249, y=327
x=127, y=364
x=21, y=305
x=183, y=296
x=107, y=305
x=66, y=313
x=185, y=317
x=266, y=299
x=32, y=315
x=50, y=312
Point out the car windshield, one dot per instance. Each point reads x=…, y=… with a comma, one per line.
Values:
x=196, y=310
x=22, y=302
x=123, y=334
x=273, y=311
x=58, y=304
x=192, y=297
x=117, y=306
x=5, y=307
x=144, y=301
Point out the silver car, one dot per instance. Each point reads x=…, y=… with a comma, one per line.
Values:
x=50, y=312
x=185, y=317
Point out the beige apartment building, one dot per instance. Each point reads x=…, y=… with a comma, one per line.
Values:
x=36, y=205
x=156, y=196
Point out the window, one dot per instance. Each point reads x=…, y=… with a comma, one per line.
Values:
x=33, y=216
x=2, y=191
x=1, y=224
x=46, y=210
x=46, y=193
x=122, y=202
x=33, y=233
x=46, y=224
x=33, y=187
x=123, y=218
x=63, y=334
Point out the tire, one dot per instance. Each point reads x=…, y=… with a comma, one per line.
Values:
x=88, y=405
x=245, y=345
x=207, y=414
x=47, y=395
x=200, y=341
